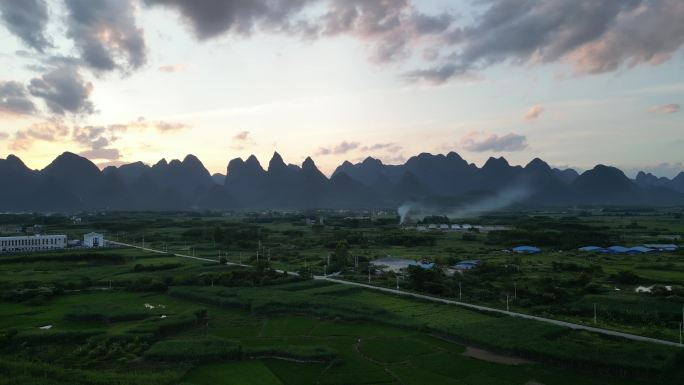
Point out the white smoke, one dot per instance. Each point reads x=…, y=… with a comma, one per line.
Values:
x=501, y=200
x=404, y=210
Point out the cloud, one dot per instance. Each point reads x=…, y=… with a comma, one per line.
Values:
x=110, y=154
x=162, y=126
x=211, y=18
x=96, y=137
x=172, y=68
x=47, y=131
x=397, y=159
x=64, y=90
x=594, y=36
x=533, y=113
x=339, y=149
x=437, y=74
x=27, y=19
x=475, y=141
x=142, y=124
x=242, y=140
x=666, y=108
x=390, y=27
x=14, y=99
x=665, y=169
x=96, y=140
x=242, y=136
x=387, y=147
x=106, y=34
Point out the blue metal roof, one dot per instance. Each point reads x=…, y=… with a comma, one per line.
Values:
x=470, y=261
x=617, y=249
x=640, y=249
x=659, y=246
x=592, y=248
x=526, y=249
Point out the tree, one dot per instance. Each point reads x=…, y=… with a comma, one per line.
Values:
x=342, y=253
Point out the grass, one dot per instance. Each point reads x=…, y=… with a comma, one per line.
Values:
x=244, y=373
x=377, y=338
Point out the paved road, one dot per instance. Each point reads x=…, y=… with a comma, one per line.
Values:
x=190, y=256
x=500, y=311
x=570, y=325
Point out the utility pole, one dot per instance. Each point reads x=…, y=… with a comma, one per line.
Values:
x=397, y=282
x=594, y=314
x=507, y=308
x=460, y=292
x=369, y=273
x=325, y=270
x=515, y=291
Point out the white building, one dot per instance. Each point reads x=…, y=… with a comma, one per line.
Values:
x=32, y=243
x=397, y=265
x=93, y=240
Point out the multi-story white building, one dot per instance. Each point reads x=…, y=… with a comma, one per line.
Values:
x=32, y=243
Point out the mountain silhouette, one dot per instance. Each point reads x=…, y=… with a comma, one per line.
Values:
x=74, y=183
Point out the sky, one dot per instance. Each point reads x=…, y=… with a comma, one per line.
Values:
x=576, y=83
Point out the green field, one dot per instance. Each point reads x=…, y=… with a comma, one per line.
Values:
x=124, y=316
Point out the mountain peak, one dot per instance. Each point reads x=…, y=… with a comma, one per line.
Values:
x=537, y=164
x=371, y=161
x=276, y=163
x=252, y=160
x=161, y=163
x=308, y=164
x=70, y=159
x=191, y=159
x=15, y=161
x=496, y=162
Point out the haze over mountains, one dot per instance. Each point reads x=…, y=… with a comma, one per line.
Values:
x=72, y=183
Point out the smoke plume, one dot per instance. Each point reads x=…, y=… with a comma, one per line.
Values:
x=502, y=199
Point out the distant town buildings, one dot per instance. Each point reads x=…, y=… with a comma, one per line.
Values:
x=32, y=243
x=93, y=240
x=662, y=247
x=467, y=264
x=642, y=249
x=526, y=249
x=397, y=265
x=460, y=227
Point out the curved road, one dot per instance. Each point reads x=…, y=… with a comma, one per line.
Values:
x=500, y=311
x=570, y=325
